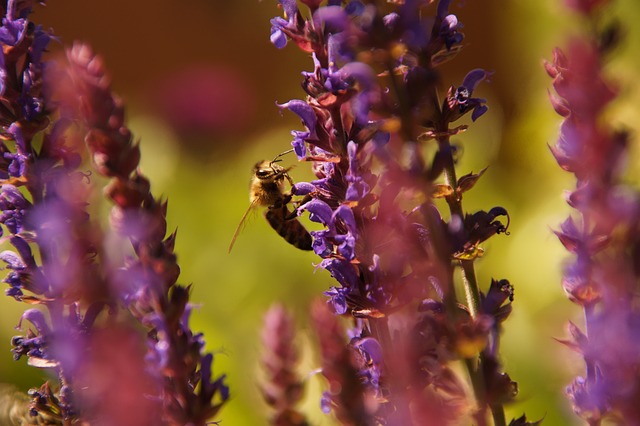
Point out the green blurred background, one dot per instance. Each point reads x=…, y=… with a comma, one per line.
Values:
x=200, y=79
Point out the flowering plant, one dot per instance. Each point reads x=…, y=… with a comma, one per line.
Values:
x=113, y=329
x=372, y=104
x=407, y=332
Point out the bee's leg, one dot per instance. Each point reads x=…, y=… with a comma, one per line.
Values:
x=294, y=213
x=286, y=198
x=281, y=206
x=286, y=175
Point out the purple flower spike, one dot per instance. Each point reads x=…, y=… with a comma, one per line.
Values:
x=346, y=242
x=282, y=388
x=60, y=259
x=372, y=92
x=371, y=352
x=603, y=275
x=478, y=111
x=347, y=396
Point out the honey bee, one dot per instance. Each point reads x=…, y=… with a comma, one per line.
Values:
x=267, y=189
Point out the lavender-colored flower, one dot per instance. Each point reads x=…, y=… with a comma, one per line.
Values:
x=388, y=252
x=282, y=389
x=338, y=299
x=290, y=27
x=105, y=374
x=33, y=345
x=459, y=100
x=449, y=26
x=23, y=44
x=602, y=234
x=308, y=117
x=174, y=352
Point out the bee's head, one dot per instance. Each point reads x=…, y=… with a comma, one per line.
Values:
x=268, y=170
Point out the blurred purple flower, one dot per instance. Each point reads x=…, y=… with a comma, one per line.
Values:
x=174, y=353
x=282, y=389
x=603, y=234
x=98, y=355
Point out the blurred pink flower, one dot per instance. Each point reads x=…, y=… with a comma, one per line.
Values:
x=204, y=101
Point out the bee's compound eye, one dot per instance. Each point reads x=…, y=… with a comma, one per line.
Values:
x=262, y=173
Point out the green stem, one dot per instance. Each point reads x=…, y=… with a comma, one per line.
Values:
x=497, y=411
x=471, y=288
x=477, y=382
x=472, y=292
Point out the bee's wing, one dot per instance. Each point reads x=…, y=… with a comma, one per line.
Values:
x=244, y=216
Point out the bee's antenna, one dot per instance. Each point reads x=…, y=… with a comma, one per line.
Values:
x=277, y=157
